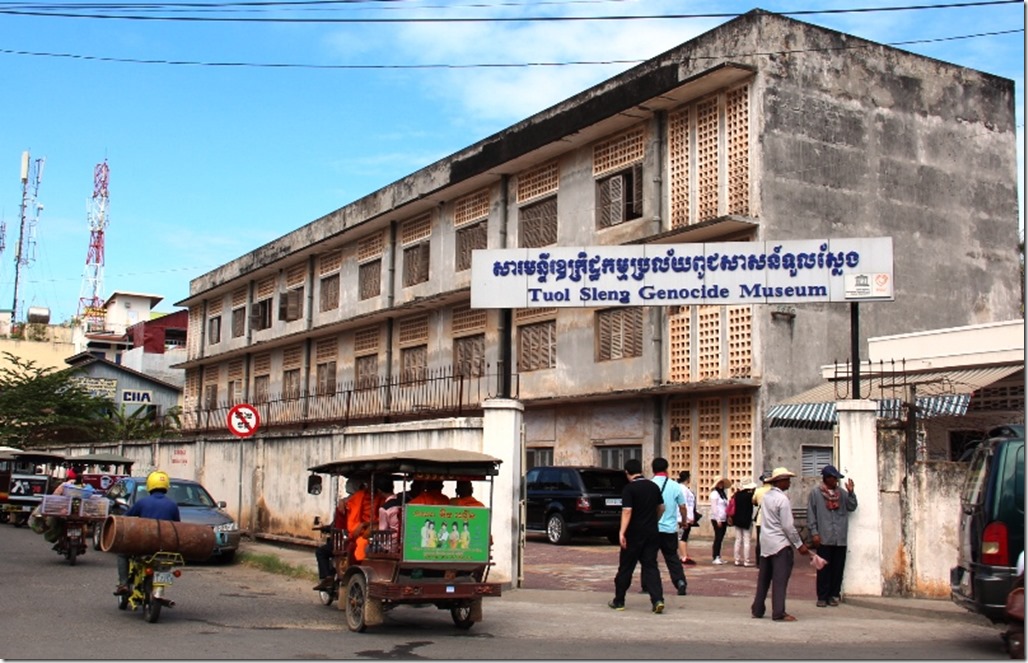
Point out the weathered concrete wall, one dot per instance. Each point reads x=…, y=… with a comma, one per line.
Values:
x=895, y=563
x=934, y=517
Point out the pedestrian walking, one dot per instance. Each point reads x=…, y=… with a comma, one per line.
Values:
x=641, y=509
x=674, y=508
x=718, y=516
x=778, y=537
x=689, y=518
x=828, y=510
x=741, y=518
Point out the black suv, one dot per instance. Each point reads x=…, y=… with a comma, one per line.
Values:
x=566, y=501
x=991, y=525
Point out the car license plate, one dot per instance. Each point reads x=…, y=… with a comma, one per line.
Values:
x=163, y=577
x=613, y=501
x=74, y=531
x=450, y=589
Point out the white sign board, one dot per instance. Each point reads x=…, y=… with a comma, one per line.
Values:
x=790, y=272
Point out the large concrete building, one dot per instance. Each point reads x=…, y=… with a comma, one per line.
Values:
x=762, y=129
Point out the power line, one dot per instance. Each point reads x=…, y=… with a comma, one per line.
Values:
x=482, y=65
x=45, y=11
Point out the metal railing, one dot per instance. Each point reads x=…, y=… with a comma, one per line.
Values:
x=432, y=394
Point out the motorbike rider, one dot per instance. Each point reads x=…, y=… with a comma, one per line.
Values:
x=156, y=505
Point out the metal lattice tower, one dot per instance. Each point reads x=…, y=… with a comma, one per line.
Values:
x=91, y=311
x=31, y=177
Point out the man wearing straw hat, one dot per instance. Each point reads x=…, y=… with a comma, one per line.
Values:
x=778, y=536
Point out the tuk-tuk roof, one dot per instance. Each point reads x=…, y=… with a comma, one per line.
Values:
x=422, y=461
x=104, y=458
x=37, y=456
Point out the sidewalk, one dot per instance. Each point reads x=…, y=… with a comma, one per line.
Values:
x=583, y=574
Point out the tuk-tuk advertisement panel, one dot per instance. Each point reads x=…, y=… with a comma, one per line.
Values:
x=445, y=534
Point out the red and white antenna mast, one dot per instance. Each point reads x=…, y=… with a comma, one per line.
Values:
x=91, y=309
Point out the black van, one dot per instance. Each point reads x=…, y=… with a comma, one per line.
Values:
x=991, y=526
x=566, y=501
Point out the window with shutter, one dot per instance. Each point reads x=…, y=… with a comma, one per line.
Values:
x=413, y=363
x=214, y=330
x=539, y=223
x=290, y=305
x=238, y=322
x=366, y=371
x=326, y=375
x=291, y=384
x=537, y=346
x=369, y=279
x=415, y=264
x=814, y=458
x=329, y=296
x=619, y=197
x=619, y=333
x=261, y=384
x=260, y=315
x=469, y=239
x=469, y=356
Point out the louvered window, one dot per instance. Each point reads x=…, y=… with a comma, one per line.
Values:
x=238, y=322
x=329, y=297
x=261, y=385
x=413, y=363
x=290, y=305
x=469, y=238
x=210, y=396
x=366, y=370
x=214, y=330
x=619, y=197
x=469, y=356
x=537, y=346
x=619, y=333
x=814, y=458
x=369, y=279
x=325, y=352
x=260, y=315
x=415, y=264
x=539, y=223
x=291, y=384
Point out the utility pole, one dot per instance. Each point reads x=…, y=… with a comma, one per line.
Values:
x=31, y=171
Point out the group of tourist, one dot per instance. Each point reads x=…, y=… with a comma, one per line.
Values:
x=657, y=514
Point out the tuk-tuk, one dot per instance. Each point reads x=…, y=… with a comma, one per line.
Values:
x=407, y=566
x=25, y=477
x=101, y=470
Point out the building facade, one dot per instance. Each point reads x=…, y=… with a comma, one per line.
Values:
x=762, y=129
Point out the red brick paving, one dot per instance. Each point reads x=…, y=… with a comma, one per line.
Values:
x=590, y=564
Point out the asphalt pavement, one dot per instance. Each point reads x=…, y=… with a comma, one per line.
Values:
x=583, y=573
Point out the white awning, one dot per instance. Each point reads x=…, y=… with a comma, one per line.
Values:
x=939, y=393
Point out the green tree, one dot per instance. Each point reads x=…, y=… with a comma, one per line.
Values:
x=42, y=406
x=140, y=425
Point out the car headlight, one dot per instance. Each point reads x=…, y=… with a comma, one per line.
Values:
x=226, y=527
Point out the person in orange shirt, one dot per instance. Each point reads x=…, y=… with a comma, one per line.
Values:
x=360, y=508
x=433, y=494
x=464, y=495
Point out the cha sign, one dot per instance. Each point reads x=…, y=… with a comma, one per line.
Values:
x=790, y=272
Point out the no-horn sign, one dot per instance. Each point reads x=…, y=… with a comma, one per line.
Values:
x=243, y=420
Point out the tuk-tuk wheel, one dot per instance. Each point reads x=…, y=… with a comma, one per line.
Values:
x=356, y=602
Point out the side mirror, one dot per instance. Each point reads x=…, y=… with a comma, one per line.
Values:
x=222, y=504
x=314, y=484
x=122, y=502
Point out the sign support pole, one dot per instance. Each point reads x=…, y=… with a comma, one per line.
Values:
x=855, y=349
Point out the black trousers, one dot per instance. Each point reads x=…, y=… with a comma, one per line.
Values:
x=323, y=553
x=639, y=551
x=719, y=536
x=829, y=579
x=668, y=544
x=773, y=573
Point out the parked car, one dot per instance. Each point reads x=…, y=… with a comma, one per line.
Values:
x=574, y=501
x=195, y=505
x=991, y=527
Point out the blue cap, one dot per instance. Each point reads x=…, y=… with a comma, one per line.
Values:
x=830, y=471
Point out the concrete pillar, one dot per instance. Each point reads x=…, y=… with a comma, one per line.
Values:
x=502, y=438
x=858, y=460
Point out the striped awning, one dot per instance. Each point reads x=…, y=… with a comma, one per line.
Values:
x=939, y=393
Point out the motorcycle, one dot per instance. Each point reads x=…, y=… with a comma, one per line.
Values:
x=149, y=578
x=1014, y=635
x=71, y=538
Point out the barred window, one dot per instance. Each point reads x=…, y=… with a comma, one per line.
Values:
x=214, y=330
x=537, y=346
x=619, y=333
x=539, y=223
x=291, y=384
x=415, y=264
x=469, y=238
x=366, y=369
x=369, y=279
x=326, y=375
x=238, y=322
x=469, y=356
x=619, y=197
x=329, y=298
x=413, y=363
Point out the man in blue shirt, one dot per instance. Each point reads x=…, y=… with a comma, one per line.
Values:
x=156, y=505
x=674, y=506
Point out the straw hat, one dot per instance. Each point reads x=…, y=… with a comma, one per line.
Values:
x=779, y=473
x=749, y=485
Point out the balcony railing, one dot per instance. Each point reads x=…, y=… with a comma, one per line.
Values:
x=433, y=394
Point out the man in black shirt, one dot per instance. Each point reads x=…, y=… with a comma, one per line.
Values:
x=641, y=509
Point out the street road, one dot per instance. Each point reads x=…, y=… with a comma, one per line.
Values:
x=55, y=611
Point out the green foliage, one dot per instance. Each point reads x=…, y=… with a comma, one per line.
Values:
x=43, y=406
x=140, y=425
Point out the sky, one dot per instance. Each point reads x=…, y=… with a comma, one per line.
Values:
x=215, y=148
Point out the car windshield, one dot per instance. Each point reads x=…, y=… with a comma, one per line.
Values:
x=190, y=494
x=604, y=482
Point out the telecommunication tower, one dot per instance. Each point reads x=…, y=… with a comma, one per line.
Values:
x=31, y=177
x=91, y=309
